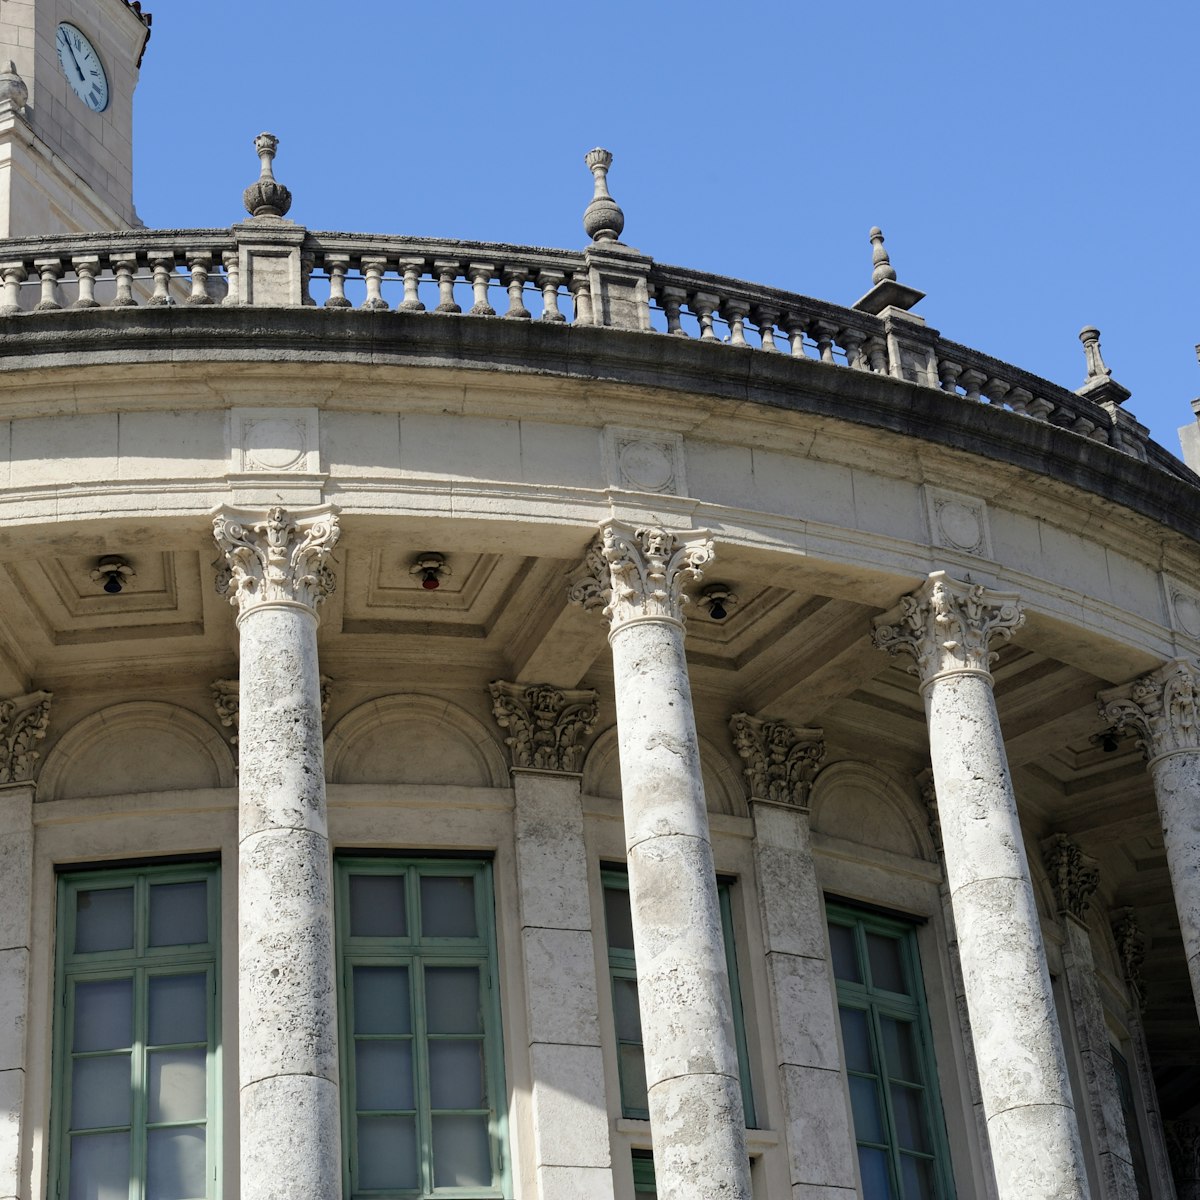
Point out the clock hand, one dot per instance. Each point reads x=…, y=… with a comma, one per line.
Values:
x=67, y=43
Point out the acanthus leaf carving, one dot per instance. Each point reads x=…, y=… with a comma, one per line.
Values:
x=23, y=722
x=781, y=760
x=1072, y=876
x=282, y=559
x=1160, y=707
x=546, y=725
x=1131, y=947
x=947, y=626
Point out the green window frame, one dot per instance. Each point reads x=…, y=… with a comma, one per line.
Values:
x=423, y=1112
x=135, y=1098
x=899, y=1126
x=622, y=970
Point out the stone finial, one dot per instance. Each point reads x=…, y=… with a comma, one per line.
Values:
x=546, y=725
x=13, y=90
x=1073, y=878
x=781, y=760
x=603, y=219
x=881, y=263
x=1161, y=708
x=265, y=197
x=1099, y=384
x=23, y=722
x=885, y=291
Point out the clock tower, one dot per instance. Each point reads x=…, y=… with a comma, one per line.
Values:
x=68, y=69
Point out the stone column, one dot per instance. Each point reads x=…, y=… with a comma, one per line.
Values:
x=781, y=762
x=546, y=727
x=1162, y=708
x=695, y=1098
x=1074, y=881
x=947, y=626
x=276, y=572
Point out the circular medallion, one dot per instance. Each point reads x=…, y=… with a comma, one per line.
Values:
x=1187, y=613
x=960, y=525
x=646, y=466
x=275, y=446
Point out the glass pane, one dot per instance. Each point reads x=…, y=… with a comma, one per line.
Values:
x=900, y=1050
x=377, y=906
x=448, y=906
x=917, y=1174
x=381, y=1003
x=864, y=1101
x=908, y=1108
x=456, y=1075
x=100, y=1092
x=876, y=1181
x=461, y=1155
x=633, y=1078
x=618, y=919
x=178, y=1009
x=178, y=913
x=104, y=920
x=626, y=1015
x=857, y=1040
x=103, y=1015
x=387, y=1152
x=100, y=1166
x=452, y=1000
x=845, y=953
x=175, y=1085
x=175, y=1167
x=887, y=965
x=383, y=1075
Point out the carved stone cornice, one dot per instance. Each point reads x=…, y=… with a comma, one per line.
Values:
x=1131, y=947
x=948, y=626
x=23, y=722
x=546, y=725
x=781, y=760
x=226, y=694
x=281, y=560
x=639, y=574
x=1072, y=876
x=1161, y=708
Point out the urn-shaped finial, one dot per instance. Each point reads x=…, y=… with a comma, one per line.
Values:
x=1099, y=385
x=881, y=263
x=265, y=197
x=603, y=219
x=1090, y=337
x=12, y=86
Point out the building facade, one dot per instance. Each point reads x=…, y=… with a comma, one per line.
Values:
x=487, y=721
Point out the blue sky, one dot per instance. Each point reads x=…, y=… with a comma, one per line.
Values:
x=1033, y=165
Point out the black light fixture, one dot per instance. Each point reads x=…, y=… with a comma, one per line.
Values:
x=718, y=599
x=112, y=572
x=1109, y=741
x=431, y=568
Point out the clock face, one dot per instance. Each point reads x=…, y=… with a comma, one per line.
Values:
x=82, y=67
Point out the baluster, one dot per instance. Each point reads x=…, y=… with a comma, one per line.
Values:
x=995, y=390
x=13, y=274
x=124, y=267
x=373, y=269
x=876, y=349
x=581, y=296
x=233, y=277
x=703, y=304
x=50, y=270
x=163, y=266
x=735, y=313
x=793, y=326
x=1102, y=435
x=514, y=279
x=973, y=381
x=765, y=319
x=852, y=340
x=447, y=273
x=823, y=334
x=199, y=262
x=948, y=373
x=87, y=267
x=481, y=276
x=412, y=269
x=1018, y=400
x=336, y=266
x=308, y=260
x=1039, y=408
x=550, y=282
x=1082, y=426
x=672, y=299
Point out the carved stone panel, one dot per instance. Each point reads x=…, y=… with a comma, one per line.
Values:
x=644, y=460
x=958, y=522
x=274, y=441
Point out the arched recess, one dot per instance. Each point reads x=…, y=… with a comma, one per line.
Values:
x=138, y=746
x=412, y=738
x=860, y=803
x=723, y=790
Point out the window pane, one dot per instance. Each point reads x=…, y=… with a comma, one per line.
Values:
x=618, y=919
x=377, y=906
x=103, y=1015
x=456, y=1075
x=908, y=1108
x=868, y=1118
x=845, y=953
x=887, y=965
x=179, y=913
x=857, y=1040
x=448, y=906
x=876, y=1182
x=381, y=1003
x=387, y=1152
x=175, y=1085
x=178, y=1009
x=626, y=1015
x=100, y=1091
x=100, y=1167
x=900, y=1049
x=633, y=1078
x=917, y=1174
x=103, y=920
x=452, y=1000
x=383, y=1075
x=176, y=1166
x=461, y=1156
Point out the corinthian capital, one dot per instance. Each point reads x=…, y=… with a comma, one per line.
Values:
x=781, y=760
x=640, y=573
x=546, y=725
x=280, y=560
x=1159, y=707
x=23, y=724
x=1073, y=878
x=948, y=626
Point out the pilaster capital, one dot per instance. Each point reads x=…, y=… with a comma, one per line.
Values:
x=1072, y=876
x=639, y=573
x=23, y=722
x=281, y=559
x=1160, y=707
x=546, y=725
x=1131, y=947
x=948, y=626
x=1183, y=1148
x=781, y=760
